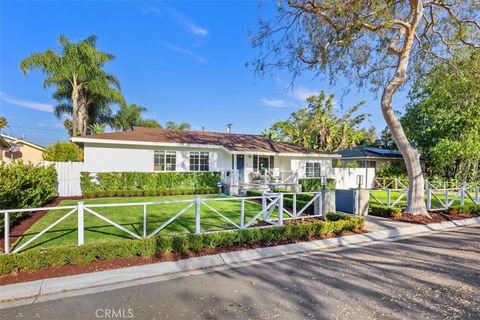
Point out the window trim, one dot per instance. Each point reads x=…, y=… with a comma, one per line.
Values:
x=164, y=154
x=198, y=166
x=314, y=163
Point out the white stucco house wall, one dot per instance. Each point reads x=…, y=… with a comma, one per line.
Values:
x=243, y=159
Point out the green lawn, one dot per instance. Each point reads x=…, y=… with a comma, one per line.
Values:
x=131, y=217
x=394, y=195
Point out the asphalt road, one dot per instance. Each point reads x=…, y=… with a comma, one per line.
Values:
x=430, y=277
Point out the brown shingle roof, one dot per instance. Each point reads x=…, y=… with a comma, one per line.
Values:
x=230, y=141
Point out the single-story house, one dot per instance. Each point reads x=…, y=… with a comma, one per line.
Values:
x=246, y=161
x=369, y=157
x=12, y=148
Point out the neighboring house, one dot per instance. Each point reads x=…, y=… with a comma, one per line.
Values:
x=245, y=161
x=12, y=148
x=370, y=157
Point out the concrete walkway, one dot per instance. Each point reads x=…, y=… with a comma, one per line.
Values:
x=373, y=223
x=55, y=288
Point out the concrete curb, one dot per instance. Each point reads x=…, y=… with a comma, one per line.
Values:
x=30, y=292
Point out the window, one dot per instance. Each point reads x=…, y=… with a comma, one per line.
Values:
x=370, y=164
x=164, y=160
x=199, y=161
x=312, y=170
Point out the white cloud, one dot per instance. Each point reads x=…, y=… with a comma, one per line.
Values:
x=186, y=52
x=45, y=107
x=303, y=93
x=180, y=18
x=275, y=103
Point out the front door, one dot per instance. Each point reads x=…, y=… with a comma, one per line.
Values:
x=241, y=167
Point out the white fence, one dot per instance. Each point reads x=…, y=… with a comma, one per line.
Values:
x=348, y=178
x=435, y=198
x=68, y=177
x=272, y=204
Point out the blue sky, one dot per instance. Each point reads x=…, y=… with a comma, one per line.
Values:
x=184, y=61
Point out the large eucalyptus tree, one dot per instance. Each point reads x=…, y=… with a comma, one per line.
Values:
x=370, y=42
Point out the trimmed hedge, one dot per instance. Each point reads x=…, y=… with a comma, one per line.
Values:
x=131, y=184
x=384, y=211
x=468, y=208
x=309, y=185
x=24, y=185
x=35, y=259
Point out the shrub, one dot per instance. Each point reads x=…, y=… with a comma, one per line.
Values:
x=24, y=185
x=467, y=208
x=132, y=184
x=63, y=152
x=35, y=259
x=384, y=211
x=254, y=193
x=309, y=185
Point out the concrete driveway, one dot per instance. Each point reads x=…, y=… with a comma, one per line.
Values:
x=429, y=277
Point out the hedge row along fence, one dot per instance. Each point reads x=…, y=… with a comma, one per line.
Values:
x=36, y=259
x=385, y=211
x=309, y=185
x=127, y=184
x=468, y=208
x=24, y=185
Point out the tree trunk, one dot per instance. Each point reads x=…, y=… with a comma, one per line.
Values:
x=82, y=114
x=416, y=191
x=75, y=103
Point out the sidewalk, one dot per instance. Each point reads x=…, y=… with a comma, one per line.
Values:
x=55, y=288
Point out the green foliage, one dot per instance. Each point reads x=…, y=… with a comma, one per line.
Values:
x=131, y=184
x=149, y=123
x=96, y=128
x=309, y=185
x=3, y=122
x=35, y=259
x=468, y=208
x=443, y=117
x=391, y=171
x=319, y=127
x=385, y=211
x=63, y=152
x=24, y=185
x=254, y=193
x=178, y=126
x=128, y=116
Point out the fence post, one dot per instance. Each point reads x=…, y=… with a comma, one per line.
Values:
x=429, y=199
x=389, y=197
x=447, y=201
x=197, y=214
x=462, y=195
x=280, y=209
x=477, y=200
x=264, y=205
x=7, y=232
x=242, y=214
x=80, y=229
x=294, y=205
x=144, y=220
x=396, y=183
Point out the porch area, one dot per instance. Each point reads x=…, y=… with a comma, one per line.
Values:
x=259, y=172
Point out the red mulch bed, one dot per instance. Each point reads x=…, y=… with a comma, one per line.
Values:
x=22, y=226
x=435, y=217
x=100, y=265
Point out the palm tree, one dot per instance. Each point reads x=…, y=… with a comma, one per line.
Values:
x=149, y=123
x=178, y=126
x=77, y=71
x=3, y=122
x=128, y=116
x=96, y=128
